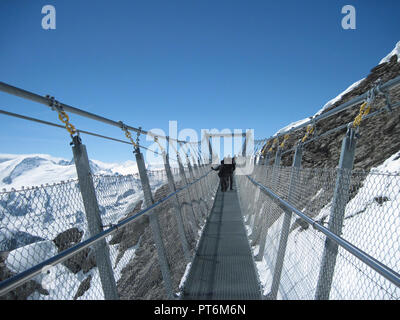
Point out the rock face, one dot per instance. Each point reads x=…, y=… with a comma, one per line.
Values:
x=379, y=135
x=83, y=260
x=141, y=278
x=83, y=287
x=129, y=236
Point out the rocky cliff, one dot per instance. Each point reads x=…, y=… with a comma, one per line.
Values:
x=379, y=135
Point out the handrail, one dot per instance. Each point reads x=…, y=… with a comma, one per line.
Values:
x=342, y=107
x=20, y=116
x=46, y=101
x=379, y=267
x=20, y=278
x=341, y=127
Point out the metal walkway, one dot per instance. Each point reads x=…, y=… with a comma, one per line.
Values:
x=223, y=268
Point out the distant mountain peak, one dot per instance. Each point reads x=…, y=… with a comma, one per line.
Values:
x=27, y=170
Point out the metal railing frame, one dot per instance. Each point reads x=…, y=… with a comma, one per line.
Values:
x=347, y=105
x=17, y=280
x=48, y=101
x=373, y=263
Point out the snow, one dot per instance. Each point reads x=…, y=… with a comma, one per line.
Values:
x=33, y=169
x=22, y=258
x=26, y=170
x=333, y=101
x=327, y=105
x=396, y=50
x=291, y=126
x=30, y=219
x=372, y=226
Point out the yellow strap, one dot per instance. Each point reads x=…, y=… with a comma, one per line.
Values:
x=156, y=140
x=129, y=136
x=265, y=148
x=65, y=119
x=310, y=130
x=273, y=144
x=284, y=140
x=363, y=112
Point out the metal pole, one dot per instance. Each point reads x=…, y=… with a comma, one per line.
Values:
x=196, y=186
x=265, y=218
x=210, y=149
x=189, y=197
x=91, y=205
x=47, y=101
x=376, y=265
x=294, y=177
x=244, y=148
x=155, y=225
x=202, y=193
x=339, y=202
x=24, y=276
x=255, y=204
x=177, y=207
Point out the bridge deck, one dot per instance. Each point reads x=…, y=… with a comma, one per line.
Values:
x=223, y=268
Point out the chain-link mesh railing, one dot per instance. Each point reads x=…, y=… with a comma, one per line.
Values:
x=36, y=224
x=371, y=223
x=39, y=223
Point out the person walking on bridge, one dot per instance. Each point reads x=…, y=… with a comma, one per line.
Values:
x=223, y=175
x=230, y=168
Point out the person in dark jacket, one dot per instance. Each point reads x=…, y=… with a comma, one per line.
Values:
x=230, y=168
x=223, y=176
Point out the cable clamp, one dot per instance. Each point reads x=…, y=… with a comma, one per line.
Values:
x=385, y=93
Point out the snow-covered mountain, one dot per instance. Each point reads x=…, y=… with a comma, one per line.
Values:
x=26, y=170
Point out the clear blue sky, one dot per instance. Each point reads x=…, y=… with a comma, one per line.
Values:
x=207, y=64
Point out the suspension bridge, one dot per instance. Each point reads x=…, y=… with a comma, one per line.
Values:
x=281, y=233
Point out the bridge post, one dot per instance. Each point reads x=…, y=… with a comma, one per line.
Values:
x=177, y=207
x=193, y=176
x=189, y=197
x=263, y=174
x=265, y=218
x=197, y=169
x=91, y=205
x=294, y=177
x=154, y=224
x=206, y=180
x=244, y=146
x=262, y=162
x=210, y=149
x=339, y=202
